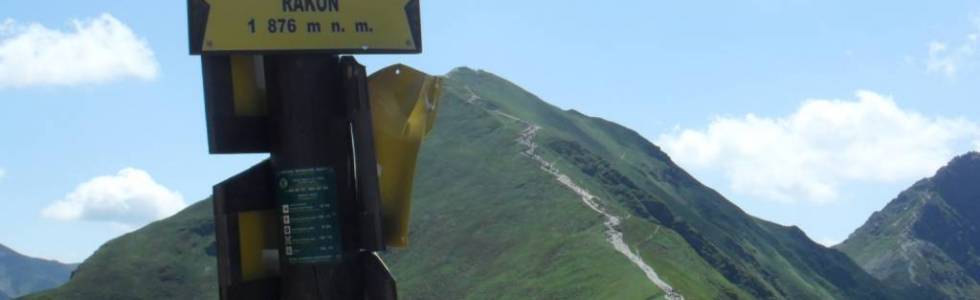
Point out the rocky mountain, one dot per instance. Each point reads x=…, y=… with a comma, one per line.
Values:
x=21, y=275
x=517, y=199
x=927, y=240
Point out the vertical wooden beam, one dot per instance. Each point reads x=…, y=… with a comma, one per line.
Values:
x=311, y=131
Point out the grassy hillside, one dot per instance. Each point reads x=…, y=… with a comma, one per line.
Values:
x=762, y=259
x=926, y=241
x=504, y=209
x=169, y=259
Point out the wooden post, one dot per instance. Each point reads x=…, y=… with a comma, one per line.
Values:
x=319, y=190
x=311, y=133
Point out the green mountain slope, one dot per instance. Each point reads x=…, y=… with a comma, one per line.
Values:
x=927, y=241
x=170, y=259
x=516, y=198
x=21, y=275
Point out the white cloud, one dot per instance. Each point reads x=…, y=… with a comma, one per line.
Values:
x=95, y=50
x=951, y=60
x=129, y=198
x=810, y=153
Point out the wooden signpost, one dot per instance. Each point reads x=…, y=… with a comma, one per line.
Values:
x=307, y=222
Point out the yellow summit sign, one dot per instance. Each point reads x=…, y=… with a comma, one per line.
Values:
x=333, y=26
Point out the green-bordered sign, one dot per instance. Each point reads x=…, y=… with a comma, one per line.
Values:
x=310, y=223
x=337, y=26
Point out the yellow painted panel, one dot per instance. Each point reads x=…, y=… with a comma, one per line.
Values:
x=248, y=85
x=270, y=25
x=403, y=106
x=256, y=232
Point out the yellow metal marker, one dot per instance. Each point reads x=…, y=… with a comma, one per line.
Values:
x=248, y=85
x=403, y=106
x=256, y=233
x=341, y=26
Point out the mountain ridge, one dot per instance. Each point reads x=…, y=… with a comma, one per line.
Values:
x=516, y=197
x=21, y=274
x=666, y=178
x=926, y=240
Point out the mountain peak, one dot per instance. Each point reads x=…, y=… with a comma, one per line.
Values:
x=965, y=162
x=21, y=275
x=971, y=158
x=926, y=240
x=8, y=252
x=461, y=70
x=957, y=182
x=540, y=202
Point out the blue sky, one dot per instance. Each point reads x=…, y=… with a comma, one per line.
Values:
x=90, y=151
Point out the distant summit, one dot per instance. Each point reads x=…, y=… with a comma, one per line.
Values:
x=21, y=275
x=927, y=241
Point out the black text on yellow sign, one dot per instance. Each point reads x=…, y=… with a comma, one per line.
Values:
x=336, y=26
